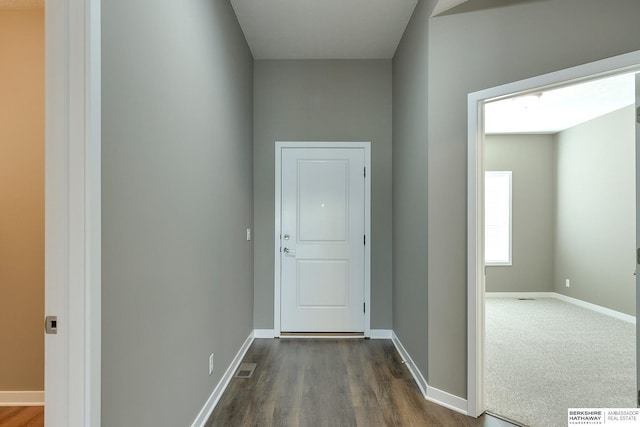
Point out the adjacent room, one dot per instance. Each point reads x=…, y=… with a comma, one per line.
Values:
x=22, y=170
x=560, y=226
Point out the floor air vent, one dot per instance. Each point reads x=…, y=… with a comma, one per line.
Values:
x=246, y=370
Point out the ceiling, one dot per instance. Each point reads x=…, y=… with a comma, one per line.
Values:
x=21, y=4
x=560, y=109
x=323, y=29
x=372, y=29
x=444, y=5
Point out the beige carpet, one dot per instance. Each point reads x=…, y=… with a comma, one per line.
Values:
x=544, y=356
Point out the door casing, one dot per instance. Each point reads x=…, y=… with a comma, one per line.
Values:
x=621, y=64
x=279, y=146
x=72, y=212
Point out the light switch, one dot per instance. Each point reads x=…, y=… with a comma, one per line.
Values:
x=248, y=234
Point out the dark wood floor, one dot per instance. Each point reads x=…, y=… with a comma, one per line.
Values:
x=21, y=416
x=331, y=382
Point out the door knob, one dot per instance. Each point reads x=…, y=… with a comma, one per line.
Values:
x=288, y=251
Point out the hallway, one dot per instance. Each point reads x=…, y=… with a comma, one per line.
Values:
x=330, y=382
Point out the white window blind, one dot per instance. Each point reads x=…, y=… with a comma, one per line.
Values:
x=497, y=217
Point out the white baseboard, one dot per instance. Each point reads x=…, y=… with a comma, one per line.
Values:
x=603, y=310
x=321, y=337
x=594, y=307
x=519, y=294
x=21, y=398
x=264, y=333
x=381, y=334
x=447, y=400
x=407, y=360
x=211, y=403
x=376, y=334
x=431, y=394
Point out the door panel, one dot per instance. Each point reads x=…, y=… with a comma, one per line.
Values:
x=323, y=283
x=322, y=262
x=323, y=192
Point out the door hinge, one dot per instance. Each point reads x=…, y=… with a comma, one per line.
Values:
x=364, y=240
x=638, y=398
x=638, y=255
x=364, y=309
x=365, y=171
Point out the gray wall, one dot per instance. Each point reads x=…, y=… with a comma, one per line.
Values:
x=315, y=100
x=410, y=93
x=532, y=160
x=595, y=236
x=177, y=196
x=486, y=44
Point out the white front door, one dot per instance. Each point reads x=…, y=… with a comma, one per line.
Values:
x=322, y=239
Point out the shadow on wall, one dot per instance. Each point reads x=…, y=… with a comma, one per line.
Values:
x=476, y=5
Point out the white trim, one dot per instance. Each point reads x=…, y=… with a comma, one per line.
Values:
x=597, y=308
x=475, y=259
x=369, y=239
x=447, y=400
x=264, y=333
x=72, y=212
x=21, y=398
x=475, y=127
x=276, y=242
x=381, y=334
x=279, y=145
x=408, y=361
x=321, y=337
x=93, y=211
x=555, y=295
x=431, y=394
x=519, y=294
x=214, y=398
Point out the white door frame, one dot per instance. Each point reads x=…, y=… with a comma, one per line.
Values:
x=475, y=199
x=278, y=226
x=72, y=212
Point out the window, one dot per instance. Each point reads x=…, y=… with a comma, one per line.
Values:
x=497, y=218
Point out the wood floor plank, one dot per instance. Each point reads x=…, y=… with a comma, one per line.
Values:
x=21, y=416
x=331, y=382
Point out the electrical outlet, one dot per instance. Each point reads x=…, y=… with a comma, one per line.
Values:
x=211, y=364
x=567, y=283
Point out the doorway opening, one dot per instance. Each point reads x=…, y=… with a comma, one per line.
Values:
x=478, y=106
x=567, y=149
